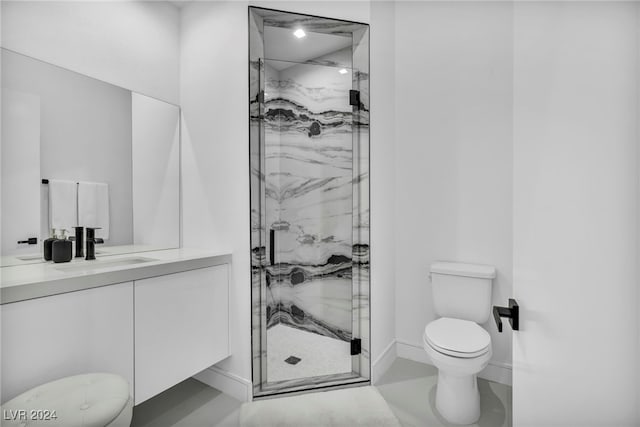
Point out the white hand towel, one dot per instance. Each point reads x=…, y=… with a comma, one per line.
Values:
x=63, y=196
x=93, y=207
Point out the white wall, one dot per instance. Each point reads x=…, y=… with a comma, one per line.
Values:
x=576, y=213
x=215, y=151
x=214, y=96
x=453, y=156
x=383, y=191
x=129, y=44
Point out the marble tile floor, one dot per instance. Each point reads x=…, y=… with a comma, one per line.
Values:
x=405, y=386
x=319, y=355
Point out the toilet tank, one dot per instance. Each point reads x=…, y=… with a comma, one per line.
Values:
x=462, y=291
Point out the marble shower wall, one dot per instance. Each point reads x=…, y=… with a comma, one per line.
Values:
x=293, y=289
x=309, y=197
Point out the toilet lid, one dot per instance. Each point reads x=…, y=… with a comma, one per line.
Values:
x=457, y=337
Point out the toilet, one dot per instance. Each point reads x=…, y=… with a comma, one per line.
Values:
x=455, y=343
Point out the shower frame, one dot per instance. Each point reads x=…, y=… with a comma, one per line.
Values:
x=361, y=363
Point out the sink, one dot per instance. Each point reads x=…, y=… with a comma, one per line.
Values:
x=100, y=264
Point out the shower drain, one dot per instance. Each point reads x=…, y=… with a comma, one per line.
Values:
x=292, y=360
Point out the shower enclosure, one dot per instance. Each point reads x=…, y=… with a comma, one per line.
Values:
x=309, y=159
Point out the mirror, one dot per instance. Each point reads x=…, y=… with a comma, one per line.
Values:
x=59, y=125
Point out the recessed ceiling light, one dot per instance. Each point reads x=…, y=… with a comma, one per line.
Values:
x=343, y=71
x=299, y=33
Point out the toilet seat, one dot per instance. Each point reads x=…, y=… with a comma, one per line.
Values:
x=457, y=337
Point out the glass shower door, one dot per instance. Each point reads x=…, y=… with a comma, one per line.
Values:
x=309, y=159
x=308, y=176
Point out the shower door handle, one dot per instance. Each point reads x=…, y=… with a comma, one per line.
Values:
x=272, y=246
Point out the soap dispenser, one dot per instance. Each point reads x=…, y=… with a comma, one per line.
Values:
x=62, y=249
x=48, y=245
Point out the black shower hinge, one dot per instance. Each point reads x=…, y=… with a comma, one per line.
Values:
x=356, y=346
x=354, y=98
x=260, y=97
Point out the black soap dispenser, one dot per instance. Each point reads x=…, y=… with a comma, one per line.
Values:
x=48, y=245
x=62, y=251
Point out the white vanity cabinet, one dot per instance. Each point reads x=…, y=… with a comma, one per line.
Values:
x=44, y=339
x=155, y=323
x=181, y=327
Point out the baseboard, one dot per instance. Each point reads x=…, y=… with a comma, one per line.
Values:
x=383, y=362
x=412, y=352
x=227, y=382
x=498, y=372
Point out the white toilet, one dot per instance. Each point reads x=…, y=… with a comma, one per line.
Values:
x=455, y=342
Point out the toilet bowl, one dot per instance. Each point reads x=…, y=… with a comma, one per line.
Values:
x=460, y=349
x=455, y=342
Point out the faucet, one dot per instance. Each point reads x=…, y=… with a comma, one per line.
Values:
x=91, y=242
x=79, y=239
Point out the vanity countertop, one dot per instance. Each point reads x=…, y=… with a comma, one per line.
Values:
x=36, y=257
x=23, y=282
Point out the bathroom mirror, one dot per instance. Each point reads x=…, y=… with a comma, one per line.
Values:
x=61, y=125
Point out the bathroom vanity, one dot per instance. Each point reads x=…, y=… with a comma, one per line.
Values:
x=155, y=318
x=142, y=309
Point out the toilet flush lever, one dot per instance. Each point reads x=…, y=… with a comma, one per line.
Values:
x=512, y=312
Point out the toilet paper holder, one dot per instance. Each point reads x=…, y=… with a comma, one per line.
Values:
x=512, y=313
